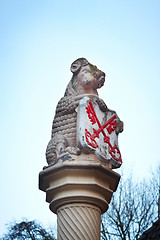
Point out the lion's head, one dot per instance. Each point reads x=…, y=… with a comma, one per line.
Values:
x=86, y=78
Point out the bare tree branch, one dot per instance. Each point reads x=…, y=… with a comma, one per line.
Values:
x=132, y=210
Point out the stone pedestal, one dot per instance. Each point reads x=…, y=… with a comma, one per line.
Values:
x=79, y=190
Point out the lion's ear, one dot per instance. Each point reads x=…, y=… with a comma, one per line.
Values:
x=76, y=65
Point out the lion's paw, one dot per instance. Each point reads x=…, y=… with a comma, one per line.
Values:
x=73, y=150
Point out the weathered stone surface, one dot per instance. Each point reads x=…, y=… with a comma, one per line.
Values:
x=79, y=181
x=85, y=81
x=78, y=190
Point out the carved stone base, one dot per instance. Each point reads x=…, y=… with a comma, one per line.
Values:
x=79, y=191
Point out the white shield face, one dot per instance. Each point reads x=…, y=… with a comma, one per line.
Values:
x=96, y=131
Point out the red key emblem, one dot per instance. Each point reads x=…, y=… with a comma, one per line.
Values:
x=110, y=125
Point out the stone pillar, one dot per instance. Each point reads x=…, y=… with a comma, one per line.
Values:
x=83, y=149
x=78, y=221
x=79, y=190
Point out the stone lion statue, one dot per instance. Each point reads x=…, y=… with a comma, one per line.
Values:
x=85, y=81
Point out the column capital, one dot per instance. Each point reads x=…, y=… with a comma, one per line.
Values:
x=81, y=179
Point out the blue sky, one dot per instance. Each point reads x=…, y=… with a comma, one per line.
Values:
x=39, y=40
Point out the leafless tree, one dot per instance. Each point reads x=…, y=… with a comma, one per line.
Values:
x=155, y=179
x=30, y=230
x=132, y=210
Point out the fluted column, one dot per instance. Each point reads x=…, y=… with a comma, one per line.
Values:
x=79, y=191
x=78, y=222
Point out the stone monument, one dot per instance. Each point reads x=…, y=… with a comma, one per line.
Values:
x=83, y=150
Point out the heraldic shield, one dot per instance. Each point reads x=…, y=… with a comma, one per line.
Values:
x=97, y=131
